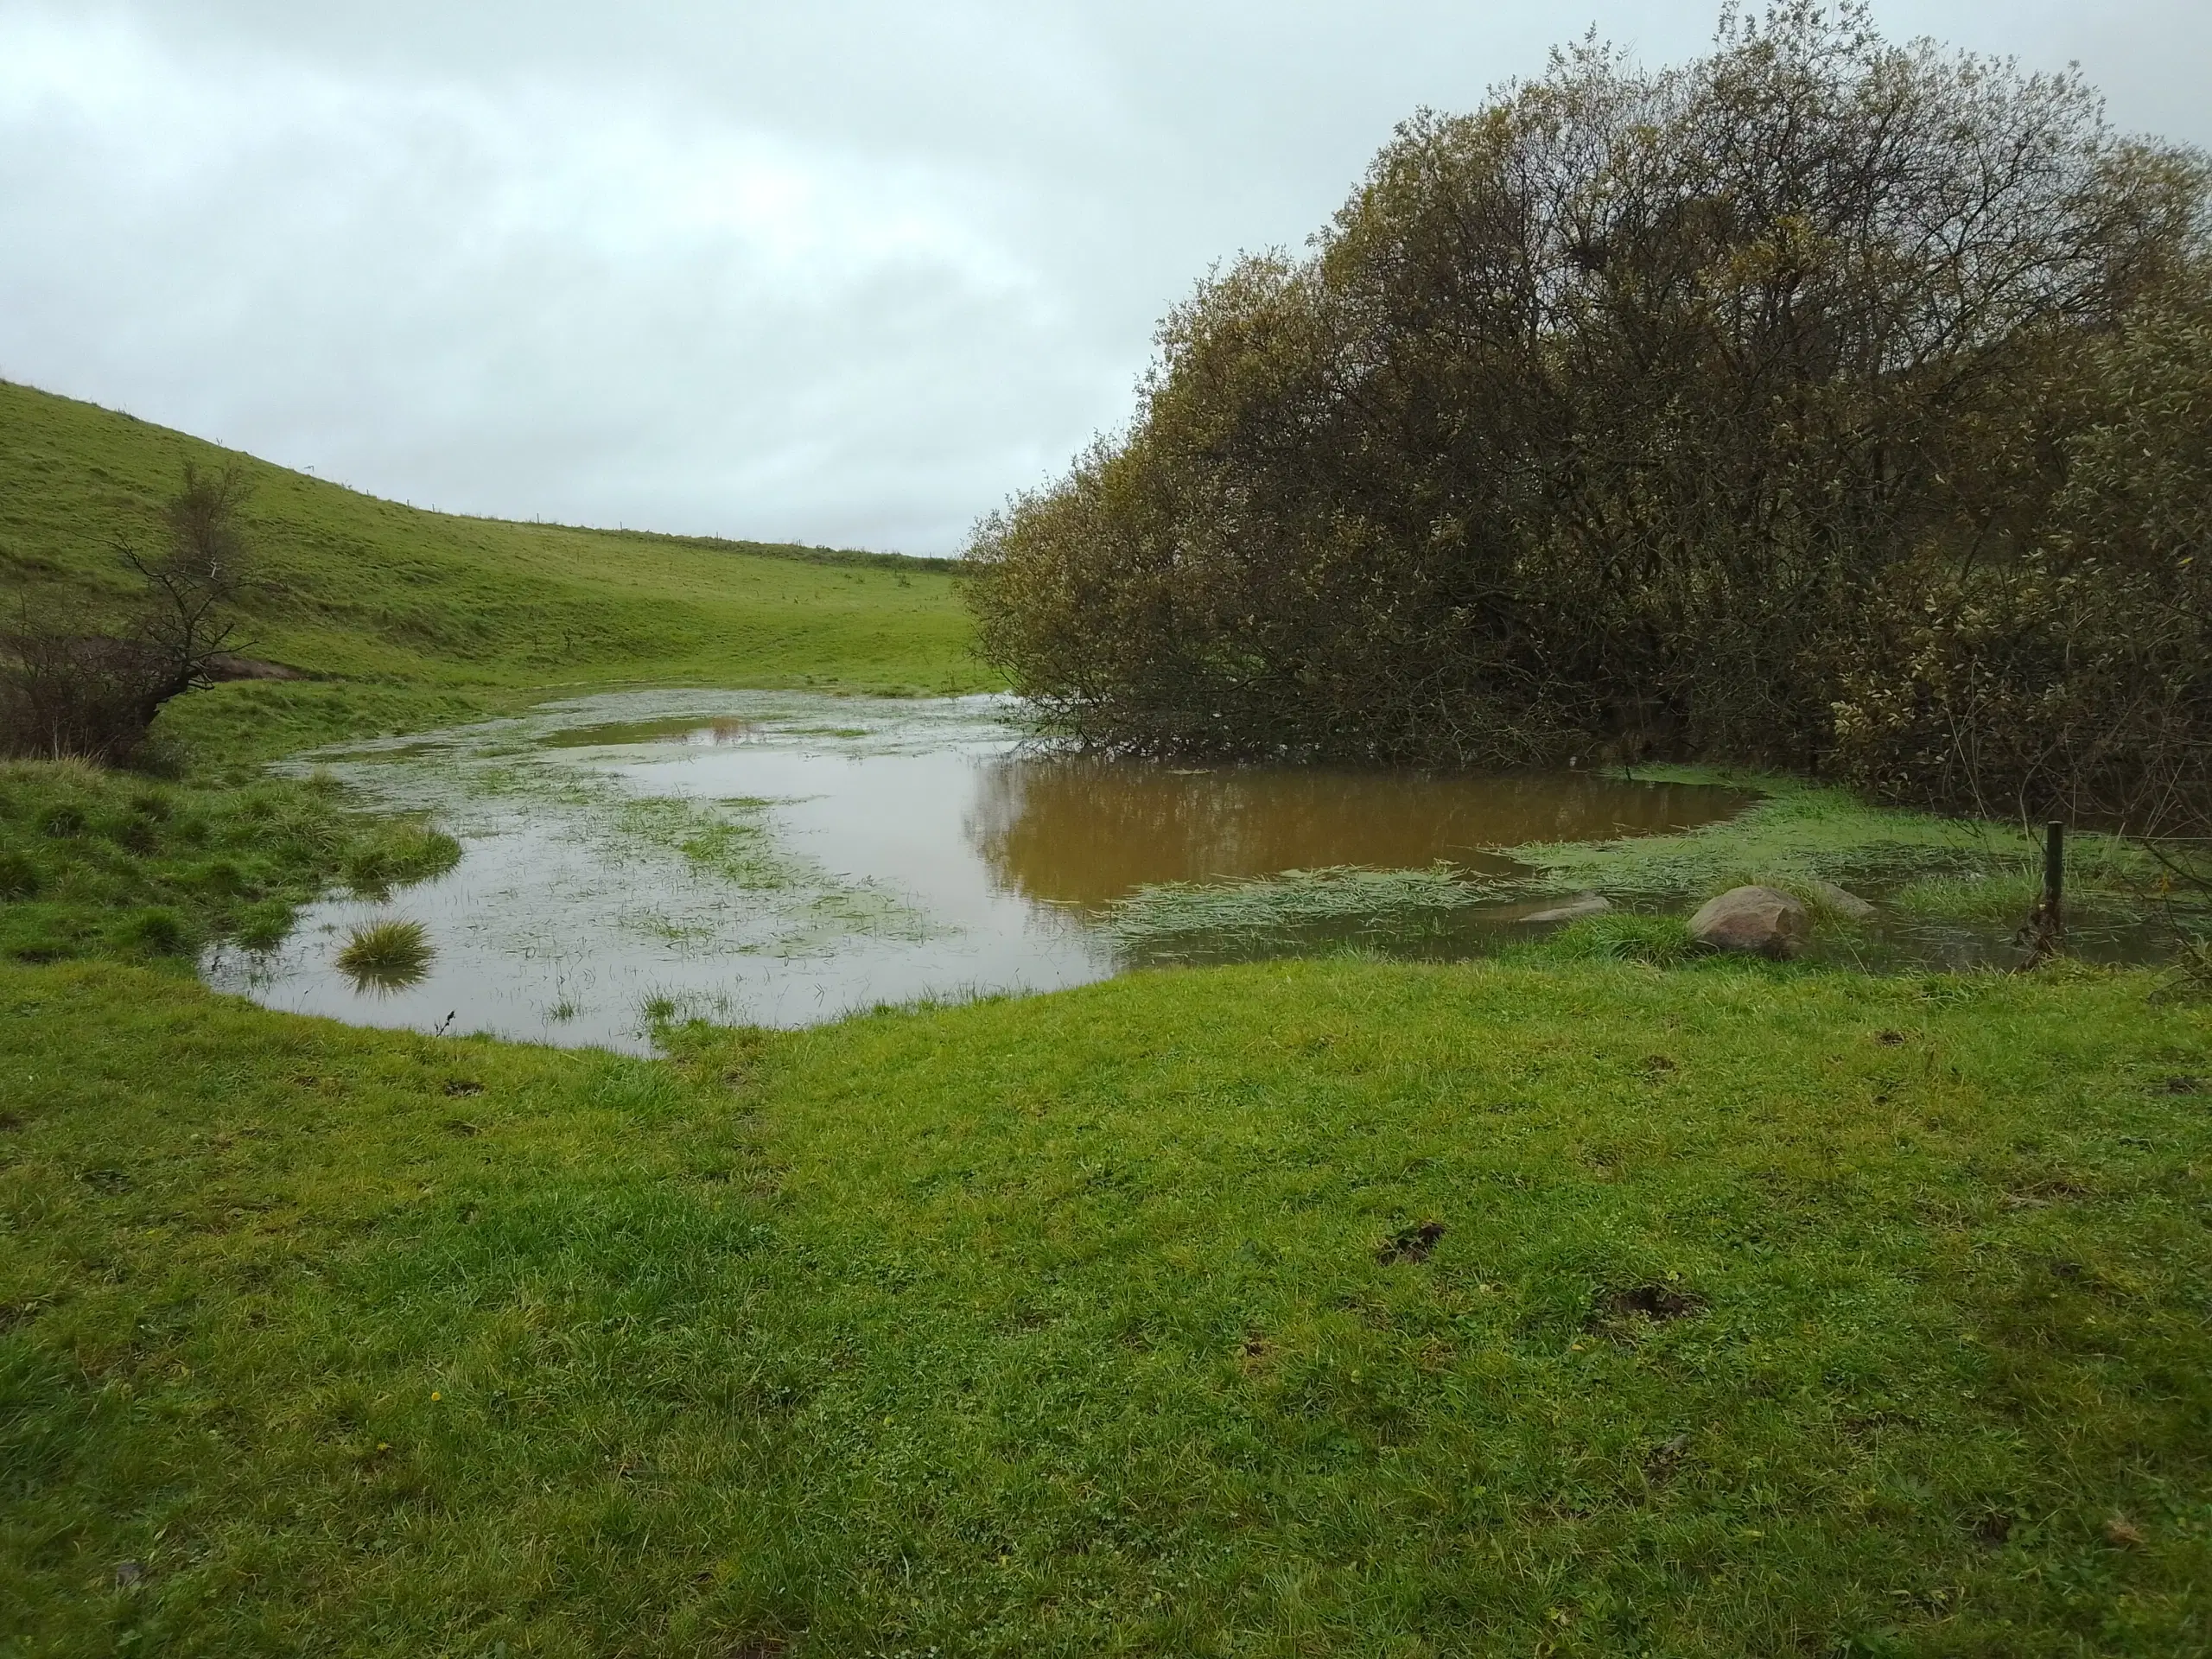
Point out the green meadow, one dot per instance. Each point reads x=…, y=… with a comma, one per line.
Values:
x=1601, y=1298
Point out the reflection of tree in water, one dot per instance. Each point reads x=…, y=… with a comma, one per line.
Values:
x=1084, y=830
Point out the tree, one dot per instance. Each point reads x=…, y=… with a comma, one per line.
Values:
x=67, y=687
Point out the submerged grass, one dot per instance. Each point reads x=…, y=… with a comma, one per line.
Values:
x=1798, y=835
x=730, y=841
x=1160, y=919
x=1347, y=1307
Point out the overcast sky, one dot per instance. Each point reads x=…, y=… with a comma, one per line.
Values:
x=849, y=271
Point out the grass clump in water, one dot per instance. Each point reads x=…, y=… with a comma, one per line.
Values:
x=386, y=956
x=399, y=853
x=1658, y=941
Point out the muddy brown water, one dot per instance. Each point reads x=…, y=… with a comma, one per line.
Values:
x=781, y=858
x=1079, y=830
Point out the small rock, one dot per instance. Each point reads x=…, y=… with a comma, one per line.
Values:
x=1843, y=904
x=1583, y=903
x=1758, y=919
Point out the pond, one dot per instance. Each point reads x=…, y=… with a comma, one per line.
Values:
x=780, y=859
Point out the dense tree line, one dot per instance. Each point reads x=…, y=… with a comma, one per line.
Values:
x=1824, y=403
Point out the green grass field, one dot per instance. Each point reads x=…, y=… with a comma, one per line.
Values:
x=1763, y=1312
x=1555, y=1305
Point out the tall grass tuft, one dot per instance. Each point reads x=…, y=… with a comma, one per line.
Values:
x=386, y=956
x=1661, y=941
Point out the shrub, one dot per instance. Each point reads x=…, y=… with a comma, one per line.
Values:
x=89, y=686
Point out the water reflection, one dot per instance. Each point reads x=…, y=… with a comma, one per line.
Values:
x=720, y=731
x=1085, y=830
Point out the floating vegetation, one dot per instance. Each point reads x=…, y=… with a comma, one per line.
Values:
x=387, y=956
x=1174, y=918
x=729, y=839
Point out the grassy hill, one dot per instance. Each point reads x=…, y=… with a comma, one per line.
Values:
x=405, y=615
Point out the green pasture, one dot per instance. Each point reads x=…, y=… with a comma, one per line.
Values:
x=1320, y=1307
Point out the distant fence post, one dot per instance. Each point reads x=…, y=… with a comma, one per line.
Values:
x=2054, y=875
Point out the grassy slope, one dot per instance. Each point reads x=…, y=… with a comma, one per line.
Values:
x=1058, y=1327
x=418, y=615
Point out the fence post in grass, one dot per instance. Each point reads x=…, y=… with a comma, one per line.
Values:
x=2054, y=874
x=2046, y=922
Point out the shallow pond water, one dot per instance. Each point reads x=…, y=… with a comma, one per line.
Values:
x=780, y=859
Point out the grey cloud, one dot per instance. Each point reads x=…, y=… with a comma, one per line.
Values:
x=845, y=272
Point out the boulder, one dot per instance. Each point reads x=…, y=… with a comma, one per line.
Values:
x=1842, y=902
x=1583, y=903
x=1758, y=919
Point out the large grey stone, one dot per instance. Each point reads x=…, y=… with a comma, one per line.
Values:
x=1760, y=919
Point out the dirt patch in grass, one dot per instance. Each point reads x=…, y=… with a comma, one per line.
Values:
x=1410, y=1244
x=1623, y=1311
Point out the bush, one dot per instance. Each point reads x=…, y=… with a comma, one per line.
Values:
x=1775, y=408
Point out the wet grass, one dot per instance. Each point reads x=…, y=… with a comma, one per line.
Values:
x=730, y=841
x=97, y=863
x=1799, y=834
x=1658, y=941
x=1356, y=1308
